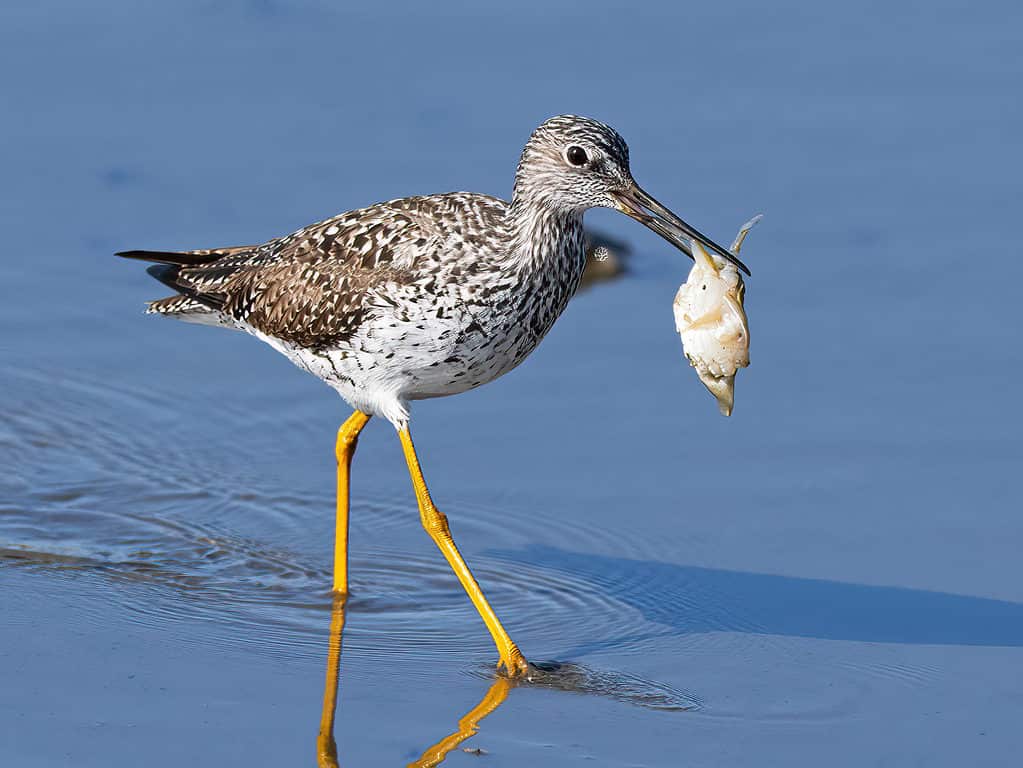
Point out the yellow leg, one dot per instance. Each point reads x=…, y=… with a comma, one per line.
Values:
x=347, y=439
x=326, y=747
x=436, y=524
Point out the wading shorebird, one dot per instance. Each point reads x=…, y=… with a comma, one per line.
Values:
x=423, y=297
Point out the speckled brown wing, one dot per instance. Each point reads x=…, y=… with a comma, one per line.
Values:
x=316, y=287
x=313, y=301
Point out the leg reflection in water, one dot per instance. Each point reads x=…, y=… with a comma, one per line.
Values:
x=326, y=746
x=467, y=726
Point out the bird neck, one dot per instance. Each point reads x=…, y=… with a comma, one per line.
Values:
x=542, y=237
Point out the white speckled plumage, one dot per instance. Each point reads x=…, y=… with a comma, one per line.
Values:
x=439, y=325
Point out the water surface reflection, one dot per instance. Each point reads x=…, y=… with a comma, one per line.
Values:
x=326, y=745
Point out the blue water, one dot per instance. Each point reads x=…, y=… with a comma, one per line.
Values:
x=829, y=577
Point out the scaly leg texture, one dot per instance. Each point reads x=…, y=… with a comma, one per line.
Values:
x=347, y=440
x=436, y=524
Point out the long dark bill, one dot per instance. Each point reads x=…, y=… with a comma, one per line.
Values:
x=639, y=205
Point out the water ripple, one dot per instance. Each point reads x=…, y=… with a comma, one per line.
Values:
x=199, y=546
x=157, y=517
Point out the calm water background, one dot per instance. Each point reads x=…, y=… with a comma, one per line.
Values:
x=830, y=577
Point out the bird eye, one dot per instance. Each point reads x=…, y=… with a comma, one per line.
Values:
x=576, y=155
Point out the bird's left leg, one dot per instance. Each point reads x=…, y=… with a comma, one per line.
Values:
x=347, y=440
x=436, y=524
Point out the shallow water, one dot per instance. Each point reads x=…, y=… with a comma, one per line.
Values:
x=830, y=577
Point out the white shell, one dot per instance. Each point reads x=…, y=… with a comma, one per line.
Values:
x=711, y=320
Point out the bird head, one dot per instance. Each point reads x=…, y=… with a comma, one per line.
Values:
x=571, y=164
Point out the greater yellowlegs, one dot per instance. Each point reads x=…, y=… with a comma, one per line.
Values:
x=423, y=297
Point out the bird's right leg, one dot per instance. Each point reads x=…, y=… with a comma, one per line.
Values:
x=436, y=524
x=347, y=439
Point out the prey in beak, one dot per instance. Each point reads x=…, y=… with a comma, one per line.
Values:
x=636, y=203
x=711, y=319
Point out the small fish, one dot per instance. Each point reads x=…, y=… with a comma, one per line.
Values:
x=711, y=320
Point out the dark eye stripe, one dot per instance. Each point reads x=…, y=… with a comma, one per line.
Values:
x=576, y=155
